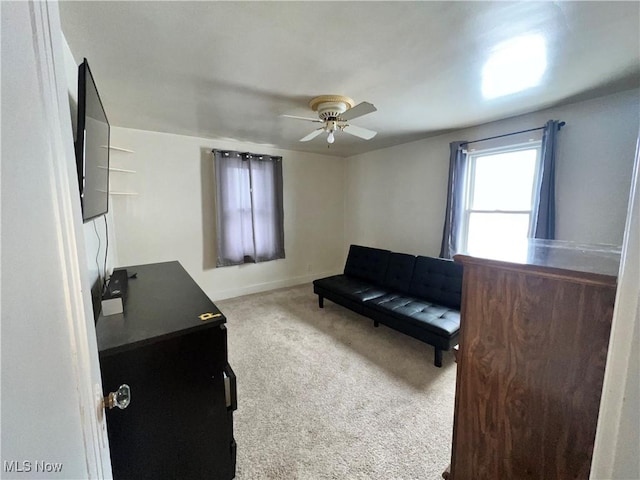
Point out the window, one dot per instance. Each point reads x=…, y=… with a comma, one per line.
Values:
x=249, y=208
x=498, y=200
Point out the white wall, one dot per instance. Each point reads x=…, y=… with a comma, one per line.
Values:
x=396, y=197
x=172, y=216
x=51, y=393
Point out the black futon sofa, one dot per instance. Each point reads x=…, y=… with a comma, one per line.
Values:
x=419, y=296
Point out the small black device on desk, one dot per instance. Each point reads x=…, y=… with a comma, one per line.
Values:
x=115, y=292
x=170, y=347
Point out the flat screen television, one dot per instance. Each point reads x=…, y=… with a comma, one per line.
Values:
x=92, y=147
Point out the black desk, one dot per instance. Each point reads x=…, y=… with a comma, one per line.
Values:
x=179, y=423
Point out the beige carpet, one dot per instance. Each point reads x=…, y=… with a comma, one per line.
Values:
x=322, y=394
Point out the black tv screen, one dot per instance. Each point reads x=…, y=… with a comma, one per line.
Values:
x=92, y=147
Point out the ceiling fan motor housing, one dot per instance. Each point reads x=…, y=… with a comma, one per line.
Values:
x=330, y=107
x=331, y=111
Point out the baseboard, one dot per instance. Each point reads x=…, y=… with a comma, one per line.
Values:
x=265, y=287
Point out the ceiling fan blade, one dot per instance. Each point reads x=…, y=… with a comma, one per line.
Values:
x=358, y=111
x=312, y=135
x=359, y=132
x=303, y=118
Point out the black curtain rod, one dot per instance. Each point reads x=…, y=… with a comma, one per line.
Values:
x=560, y=125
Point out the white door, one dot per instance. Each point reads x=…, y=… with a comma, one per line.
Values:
x=616, y=453
x=51, y=415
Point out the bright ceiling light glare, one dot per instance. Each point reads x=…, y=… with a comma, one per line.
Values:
x=515, y=65
x=330, y=138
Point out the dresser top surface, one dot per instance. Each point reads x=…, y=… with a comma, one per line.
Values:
x=162, y=301
x=555, y=255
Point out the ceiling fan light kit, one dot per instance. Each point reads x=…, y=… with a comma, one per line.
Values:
x=334, y=111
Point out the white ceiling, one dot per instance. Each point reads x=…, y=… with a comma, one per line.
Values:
x=229, y=69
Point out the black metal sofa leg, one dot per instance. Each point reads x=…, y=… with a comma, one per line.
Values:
x=376, y=324
x=320, y=301
x=438, y=358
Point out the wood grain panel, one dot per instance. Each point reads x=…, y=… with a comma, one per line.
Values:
x=530, y=372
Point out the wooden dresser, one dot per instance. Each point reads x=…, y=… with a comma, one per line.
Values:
x=533, y=346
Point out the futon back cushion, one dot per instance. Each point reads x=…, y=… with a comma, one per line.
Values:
x=399, y=272
x=367, y=263
x=438, y=280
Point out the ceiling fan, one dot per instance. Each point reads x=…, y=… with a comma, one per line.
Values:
x=335, y=112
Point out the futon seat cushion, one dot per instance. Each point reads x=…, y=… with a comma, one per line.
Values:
x=421, y=313
x=350, y=287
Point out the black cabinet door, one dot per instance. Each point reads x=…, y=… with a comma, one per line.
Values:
x=177, y=424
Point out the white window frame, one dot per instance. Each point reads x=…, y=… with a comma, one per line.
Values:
x=469, y=185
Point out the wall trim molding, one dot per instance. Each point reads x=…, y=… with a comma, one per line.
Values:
x=266, y=286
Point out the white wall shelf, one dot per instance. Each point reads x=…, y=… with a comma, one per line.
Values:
x=114, y=169
x=119, y=170
x=118, y=149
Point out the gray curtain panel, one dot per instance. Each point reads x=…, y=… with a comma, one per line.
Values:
x=544, y=202
x=266, y=207
x=249, y=208
x=455, y=199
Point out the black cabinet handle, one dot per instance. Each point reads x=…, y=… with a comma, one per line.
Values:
x=230, y=392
